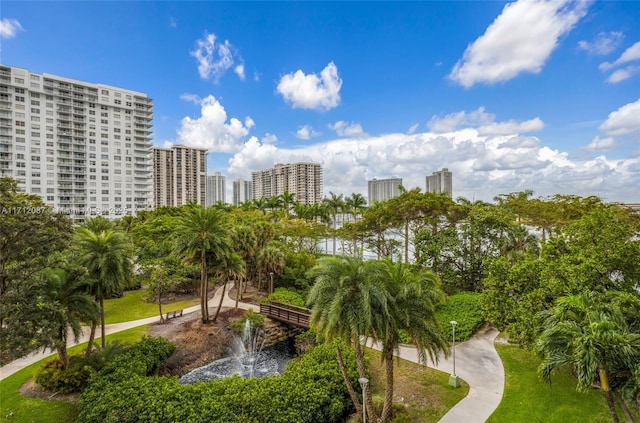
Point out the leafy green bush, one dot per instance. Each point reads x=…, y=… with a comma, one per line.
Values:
x=283, y=295
x=311, y=389
x=74, y=378
x=81, y=368
x=256, y=320
x=466, y=309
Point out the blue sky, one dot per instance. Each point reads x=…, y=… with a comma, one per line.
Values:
x=508, y=95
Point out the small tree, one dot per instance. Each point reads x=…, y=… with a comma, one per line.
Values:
x=159, y=284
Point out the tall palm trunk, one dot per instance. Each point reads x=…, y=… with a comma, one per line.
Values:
x=238, y=290
x=388, y=390
x=371, y=412
x=604, y=384
x=63, y=354
x=624, y=407
x=347, y=381
x=92, y=337
x=102, y=324
x=224, y=288
x=203, y=289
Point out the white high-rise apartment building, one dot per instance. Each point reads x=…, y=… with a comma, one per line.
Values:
x=179, y=175
x=303, y=180
x=440, y=182
x=84, y=148
x=242, y=191
x=383, y=189
x=216, y=189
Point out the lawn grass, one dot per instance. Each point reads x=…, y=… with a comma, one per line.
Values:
x=421, y=394
x=529, y=399
x=132, y=306
x=15, y=408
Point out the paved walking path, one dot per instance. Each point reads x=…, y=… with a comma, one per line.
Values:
x=477, y=363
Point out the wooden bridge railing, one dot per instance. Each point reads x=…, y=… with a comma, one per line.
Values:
x=287, y=313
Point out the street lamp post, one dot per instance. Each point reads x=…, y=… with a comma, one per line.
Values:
x=363, y=382
x=271, y=283
x=453, y=379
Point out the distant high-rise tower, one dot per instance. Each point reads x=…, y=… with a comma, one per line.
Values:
x=179, y=175
x=383, y=189
x=216, y=189
x=440, y=182
x=242, y=191
x=304, y=180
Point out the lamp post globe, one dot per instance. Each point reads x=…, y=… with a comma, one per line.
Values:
x=363, y=382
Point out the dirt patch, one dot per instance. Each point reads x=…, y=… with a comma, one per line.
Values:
x=33, y=390
x=196, y=343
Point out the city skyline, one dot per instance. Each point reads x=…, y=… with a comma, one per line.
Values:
x=369, y=90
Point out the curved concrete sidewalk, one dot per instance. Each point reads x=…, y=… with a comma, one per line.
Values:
x=19, y=364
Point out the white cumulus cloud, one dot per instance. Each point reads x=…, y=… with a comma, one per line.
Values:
x=307, y=132
x=622, y=74
x=601, y=144
x=520, y=39
x=9, y=28
x=239, y=70
x=348, y=129
x=483, y=166
x=212, y=130
x=312, y=91
x=624, y=121
x=483, y=122
x=603, y=43
x=629, y=55
x=215, y=58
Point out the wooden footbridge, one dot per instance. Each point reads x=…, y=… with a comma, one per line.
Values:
x=286, y=313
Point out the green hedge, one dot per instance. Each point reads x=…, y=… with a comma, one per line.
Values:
x=311, y=389
x=464, y=308
x=283, y=295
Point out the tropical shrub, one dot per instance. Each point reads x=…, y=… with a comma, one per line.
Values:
x=464, y=308
x=54, y=378
x=283, y=295
x=311, y=389
x=256, y=320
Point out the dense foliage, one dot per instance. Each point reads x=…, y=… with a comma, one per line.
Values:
x=464, y=308
x=309, y=390
x=283, y=295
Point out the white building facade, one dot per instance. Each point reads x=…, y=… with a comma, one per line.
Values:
x=383, y=189
x=242, y=191
x=179, y=175
x=84, y=148
x=440, y=182
x=216, y=189
x=303, y=180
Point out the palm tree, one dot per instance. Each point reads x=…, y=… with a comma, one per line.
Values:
x=355, y=204
x=334, y=204
x=107, y=256
x=414, y=296
x=228, y=267
x=245, y=243
x=202, y=239
x=68, y=304
x=589, y=334
x=271, y=259
x=287, y=199
x=348, y=302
